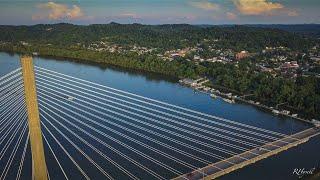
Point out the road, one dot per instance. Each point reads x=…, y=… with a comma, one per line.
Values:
x=226, y=166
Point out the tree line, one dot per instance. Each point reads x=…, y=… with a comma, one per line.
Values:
x=302, y=95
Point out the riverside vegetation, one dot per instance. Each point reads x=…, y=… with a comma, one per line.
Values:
x=72, y=41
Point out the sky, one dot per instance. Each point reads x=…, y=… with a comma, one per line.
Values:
x=28, y=12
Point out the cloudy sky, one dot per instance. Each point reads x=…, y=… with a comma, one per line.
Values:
x=160, y=11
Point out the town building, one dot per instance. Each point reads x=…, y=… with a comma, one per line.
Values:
x=242, y=55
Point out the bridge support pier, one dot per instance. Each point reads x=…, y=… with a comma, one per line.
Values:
x=37, y=149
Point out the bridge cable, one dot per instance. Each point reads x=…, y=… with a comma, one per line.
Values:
x=179, y=135
x=13, y=92
x=65, y=151
x=196, y=112
x=129, y=147
x=11, y=107
x=114, y=139
x=97, y=139
x=113, y=112
x=93, y=116
x=10, y=73
x=79, y=149
x=175, y=127
x=55, y=157
x=90, y=145
x=13, y=153
x=232, y=127
x=136, y=127
x=22, y=158
x=11, y=79
x=10, y=140
x=12, y=115
x=164, y=118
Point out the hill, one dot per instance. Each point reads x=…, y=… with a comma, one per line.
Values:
x=158, y=36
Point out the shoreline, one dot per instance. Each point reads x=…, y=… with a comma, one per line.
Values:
x=225, y=96
x=265, y=107
x=229, y=98
x=97, y=63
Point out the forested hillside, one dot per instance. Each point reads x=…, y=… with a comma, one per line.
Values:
x=160, y=36
x=69, y=41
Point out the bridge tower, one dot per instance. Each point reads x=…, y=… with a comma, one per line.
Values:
x=37, y=149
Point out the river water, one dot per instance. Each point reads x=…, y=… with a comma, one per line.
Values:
x=168, y=89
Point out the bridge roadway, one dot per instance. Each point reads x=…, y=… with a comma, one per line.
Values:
x=223, y=167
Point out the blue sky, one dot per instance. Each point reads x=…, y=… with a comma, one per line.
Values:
x=160, y=11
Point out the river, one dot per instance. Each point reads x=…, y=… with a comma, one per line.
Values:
x=168, y=89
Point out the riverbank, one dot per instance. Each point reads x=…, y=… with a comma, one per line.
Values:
x=178, y=69
x=133, y=61
x=272, y=110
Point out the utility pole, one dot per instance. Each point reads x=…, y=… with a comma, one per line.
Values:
x=37, y=149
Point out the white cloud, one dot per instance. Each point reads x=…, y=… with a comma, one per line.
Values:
x=231, y=16
x=257, y=7
x=130, y=15
x=56, y=11
x=205, y=5
x=293, y=13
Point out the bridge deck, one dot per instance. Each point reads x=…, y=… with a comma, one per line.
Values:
x=226, y=166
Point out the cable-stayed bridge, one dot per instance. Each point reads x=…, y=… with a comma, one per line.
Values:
x=91, y=131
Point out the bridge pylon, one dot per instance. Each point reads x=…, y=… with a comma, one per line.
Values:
x=37, y=148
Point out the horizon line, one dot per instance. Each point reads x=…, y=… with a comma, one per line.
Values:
x=193, y=24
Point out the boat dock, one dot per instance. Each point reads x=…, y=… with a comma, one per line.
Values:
x=197, y=85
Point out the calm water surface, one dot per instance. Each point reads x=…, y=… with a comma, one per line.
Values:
x=168, y=90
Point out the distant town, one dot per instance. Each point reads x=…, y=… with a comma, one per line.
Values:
x=274, y=70
x=279, y=61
